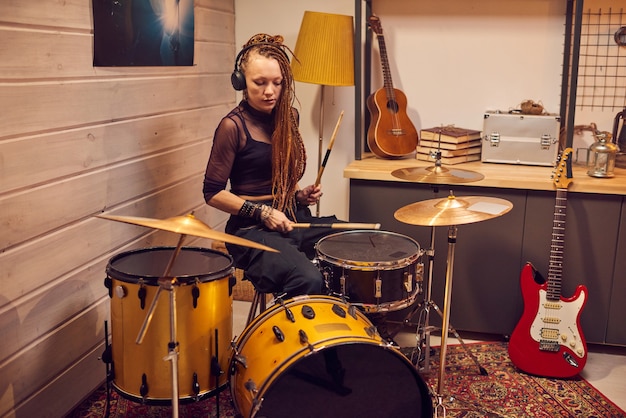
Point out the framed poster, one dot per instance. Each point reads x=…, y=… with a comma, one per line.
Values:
x=143, y=32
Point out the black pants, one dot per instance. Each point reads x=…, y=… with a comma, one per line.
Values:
x=290, y=270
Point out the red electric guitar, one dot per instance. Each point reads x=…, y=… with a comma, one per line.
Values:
x=391, y=133
x=548, y=340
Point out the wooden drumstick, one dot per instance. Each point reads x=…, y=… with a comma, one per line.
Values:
x=338, y=225
x=330, y=147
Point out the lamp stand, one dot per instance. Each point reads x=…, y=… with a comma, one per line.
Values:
x=320, y=145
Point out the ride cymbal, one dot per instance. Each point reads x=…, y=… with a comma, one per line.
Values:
x=437, y=175
x=187, y=225
x=453, y=211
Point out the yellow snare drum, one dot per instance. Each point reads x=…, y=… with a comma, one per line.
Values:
x=141, y=372
x=319, y=357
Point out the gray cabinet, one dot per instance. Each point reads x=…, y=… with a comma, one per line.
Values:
x=489, y=254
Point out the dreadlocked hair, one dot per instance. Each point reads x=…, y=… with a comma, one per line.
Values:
x=288, y=151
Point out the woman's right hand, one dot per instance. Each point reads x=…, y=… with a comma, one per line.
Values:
x=278, y=221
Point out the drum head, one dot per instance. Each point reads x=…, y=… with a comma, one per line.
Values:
x=149, y=264
x=362, y=249
x=378, y=382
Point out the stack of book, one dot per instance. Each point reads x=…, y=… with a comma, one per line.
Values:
x=456, y=145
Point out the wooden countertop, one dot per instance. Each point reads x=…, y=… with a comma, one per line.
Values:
x=509, y=176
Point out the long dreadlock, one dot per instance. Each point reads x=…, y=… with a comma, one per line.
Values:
x=288, y=151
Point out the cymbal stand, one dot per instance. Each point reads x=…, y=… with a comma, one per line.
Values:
x=452, y=231
x=424, y=328
x=452, y=234
x=167, y=283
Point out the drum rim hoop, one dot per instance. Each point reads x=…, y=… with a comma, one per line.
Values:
x=151, y=280
x=369, y=265
x=257, y=400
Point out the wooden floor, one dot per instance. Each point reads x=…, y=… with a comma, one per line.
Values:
x=605, y=368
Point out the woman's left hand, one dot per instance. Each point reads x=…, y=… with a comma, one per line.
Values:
x=310, y=195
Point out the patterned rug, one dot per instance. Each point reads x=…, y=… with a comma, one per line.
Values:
x=503, y=392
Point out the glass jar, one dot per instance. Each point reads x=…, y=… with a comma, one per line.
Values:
x=601, y=157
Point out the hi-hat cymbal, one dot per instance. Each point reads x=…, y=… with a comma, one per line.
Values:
x=187, y=225
x=437, y=175
x=453, y=211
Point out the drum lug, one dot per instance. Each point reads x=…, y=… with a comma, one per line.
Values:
x=232, y=281
x=288, y=312
x=239, y=359
x=195, y=386
x=143, y=389
x=338, y=310
x=256, y=403
x=419, y=272
x=251, y=387
x=342, y=285
x=108, y=283
x=141, y=294
x=327, y=283
x=408, y=282
x=371, y=331
x=304, y=339
x=216, y=369
x=195, y=294
x=107, y=356
x=308, y=312
x=352, y=311
x=278, y=333
x=378, y=285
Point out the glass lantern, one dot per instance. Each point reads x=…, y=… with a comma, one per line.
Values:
x=602, y=153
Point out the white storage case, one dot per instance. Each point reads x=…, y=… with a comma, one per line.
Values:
x=514, y=138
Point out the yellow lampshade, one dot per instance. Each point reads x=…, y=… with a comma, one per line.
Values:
x=324, y=52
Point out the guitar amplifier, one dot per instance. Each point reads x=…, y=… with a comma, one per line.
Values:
x=514, y=138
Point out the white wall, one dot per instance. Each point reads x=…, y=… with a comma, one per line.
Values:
x=457, y=58
x=284, y=18
x=453, y=59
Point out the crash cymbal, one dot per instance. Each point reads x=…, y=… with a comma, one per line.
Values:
x=452, y=210
x=437, y=175
x=187, y=225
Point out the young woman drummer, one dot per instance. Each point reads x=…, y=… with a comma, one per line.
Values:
x=258, y=148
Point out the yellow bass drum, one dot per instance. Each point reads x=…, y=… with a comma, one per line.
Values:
x=320, y=357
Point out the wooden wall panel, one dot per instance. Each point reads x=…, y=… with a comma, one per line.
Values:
x=77, y=141
x=24, y=59
x=45, y=106
x=26, y=217
x=27, y=53
x=70, y=14
x=47, y=258
x=218, y=23
x=37, y=159
x=41, y=362
x=87, y=370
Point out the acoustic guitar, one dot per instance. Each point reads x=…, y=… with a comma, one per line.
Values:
x=548, y=340
x=391, y=133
